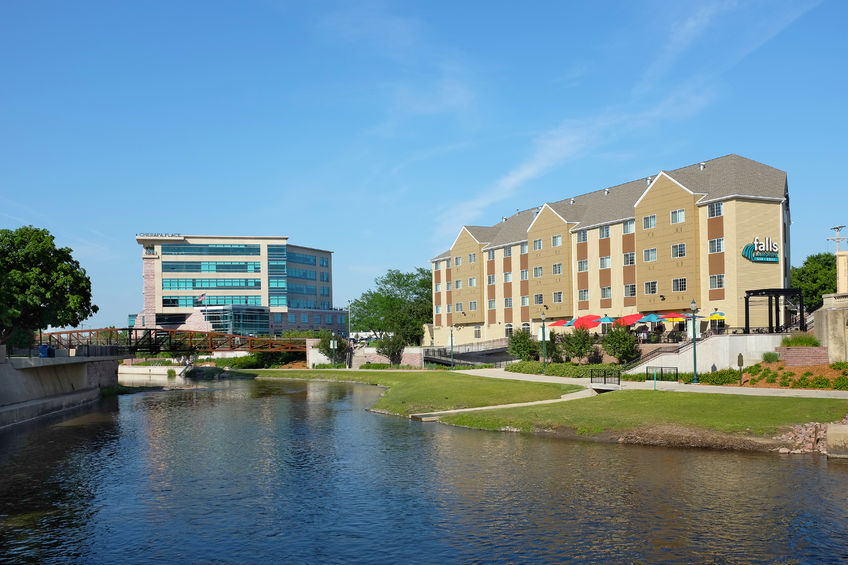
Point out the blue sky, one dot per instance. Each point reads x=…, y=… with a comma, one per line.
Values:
x=377, y=129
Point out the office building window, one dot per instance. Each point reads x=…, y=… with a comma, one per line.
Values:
x=449, y=308
x=508, y=251
x=508, y=330
x=537, y=245
x=457, y=284
x=629, y=290
x=538, y=299
x=582, y=265
x=438, y=287
x=678, y=216
x=678, y=250
x=717, y=245
x=304, y=318
x=649, y=222
x=525, y=274
x=582, y=236
x=651, y=287
x=477, y=332
x=508, y=302
x=490, y=254
x=472, y=257
x=716, y=282
x=448, y=285
x=524, y=248
x=715, y=209
x=537, y=272
x=557, y=269
x=678, y=285
x=606, y=292
x=525, y=300
x=438, y=308
x=629, y=226
x=458, y=307
x=490, y=279
x=492, y=304
x=292, y=318
x=457, y=261
x=556, y=241
x=557, y=297
x=605, y=262
x=603, y=232
x=472, y=281
x=629, y=258
x=472, y=305
x=650, y=255
x=583, y=294
x=436, y=265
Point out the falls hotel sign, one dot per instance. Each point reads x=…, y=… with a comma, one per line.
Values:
x=761, y=251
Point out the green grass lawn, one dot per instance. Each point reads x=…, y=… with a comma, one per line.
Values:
x=756, y=415
x=429, y=391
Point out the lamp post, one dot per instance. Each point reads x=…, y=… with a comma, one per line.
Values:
x=694, y=308
x=544, y=346
x=348, y=319
x=451, y=346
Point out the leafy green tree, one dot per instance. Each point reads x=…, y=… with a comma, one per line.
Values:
x=324, y=346
x=578, y=343
x=400, y=304
x=40, y=285
x=817, y=276
x=621, y=344
x=523, y=346
x=392, y=346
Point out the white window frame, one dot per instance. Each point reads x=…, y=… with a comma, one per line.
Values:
x=582, y=236
x=678, y=285
x=583, y=295
x=715, y=209
x=508, y=276
x=647, y=255
x=492, y=304
x=508, y=302
x=537, y=244
x=630, y=290
x=556, y=269
x=556, y=241
x=457, y=284
x=457, y=261
x=472, y=305
x=649, y=222
x=651, y=287
x=525, y=300
x=629, y=226
x=458, y=307
x=438, y=308
x=472, y=281
x=449, y=307
x=606, y=292
x=717, y=281
x=557, y=297
x=629, y=258
x=507, y=251
x=678, y=216
x=472, y=257
x=477, y=332
x=538, y=272
x=605, y=262
x=603, y=232
x=582, y=265
x=490, y=254
x=490, y=279
x=438, y=287
x=524, y=274
x=448, y=285
x=524, y=247
x=538, y=299
x=717, y=245
x=676, y=249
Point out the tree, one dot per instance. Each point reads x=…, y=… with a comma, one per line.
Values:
x=392, y=347
x=325, y=347
x=578, y=343
x=40, y=285
x=815, y=277
x=523, y=346
x=401, y=305
x=621, y=344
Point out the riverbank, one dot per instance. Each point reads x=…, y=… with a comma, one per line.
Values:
x=641, y=417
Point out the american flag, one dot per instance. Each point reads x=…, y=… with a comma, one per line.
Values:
x=202, y=297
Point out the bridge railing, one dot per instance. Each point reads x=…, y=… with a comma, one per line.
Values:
x=155, y=339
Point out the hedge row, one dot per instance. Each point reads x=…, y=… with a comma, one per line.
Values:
x=556, y=369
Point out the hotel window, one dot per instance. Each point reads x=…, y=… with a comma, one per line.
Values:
x=449, y=308
x=438, y=308
x=583, y=294
x=472, y=257
x=438, y=287
x=651, y=287
x=557, y=297
x=492, y=304
x=716, y=281
x=678, y=250
x=606, y=292
x=477, y=332
x=458, y=307
x=490, y=279
x=525, y=301
x=649, y=222
x=556, y=241
x=630, y=290
x=457, y=284
x=630, y=258
x=508, y=330
x=472, y=281
x=538, y=299
x=448, y=285
x=605, y=262
x=472, y=305
x=678, y=216
x=603, y=232
x=717, y=245
x=508, y=302
x=537, y=244
x=715, y=209
x=537, y=272
x=582, y=265
x=650, y=255
x=304, y=318
x=557, y=269
x=490, y=254
x=508, y=277
x=678, y=285
x=629, y=226
x=582, y=236
x=524, y=248
x=525, y=274
x=457, y=261
x=507, y=251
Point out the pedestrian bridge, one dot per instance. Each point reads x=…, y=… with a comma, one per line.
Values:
x=174, y=341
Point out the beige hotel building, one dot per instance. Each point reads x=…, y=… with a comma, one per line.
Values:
x=706, y=232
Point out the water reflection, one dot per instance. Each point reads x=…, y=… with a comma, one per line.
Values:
x=297, y=471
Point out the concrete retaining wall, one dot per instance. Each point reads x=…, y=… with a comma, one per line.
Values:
x=412, y=356
x=717, y=352
x=150, y=375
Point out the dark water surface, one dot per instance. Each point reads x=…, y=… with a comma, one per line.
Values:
x=297, y=472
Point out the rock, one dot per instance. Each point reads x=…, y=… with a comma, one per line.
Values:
x=783, y=450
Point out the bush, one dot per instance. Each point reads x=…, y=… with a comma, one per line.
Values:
x=839, y=365
x=785, y=380
x=375, y=366
x=721, y=377
x=572, y=370
x=392, y=347
x=172, y=374
x=800, y=339
x=772, y=378
x=325, y=343
x=820, y=382
x=841, y=383
x=621, y=344
x=754, y=369
x=578, y=343
x=330, y=366
x=770, y=357
x=801, y=382
x=523, y=346
x=596, y=356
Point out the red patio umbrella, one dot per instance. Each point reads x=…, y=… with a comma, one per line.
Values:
x=628, y=320
x=587, y=322
x=557, y=323
x=673, y=316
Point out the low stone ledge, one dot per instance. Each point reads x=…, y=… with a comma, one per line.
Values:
x=802, y=356
x=837, y=441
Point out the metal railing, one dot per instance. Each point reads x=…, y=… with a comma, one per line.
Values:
x=661, y=373
x=605, y=376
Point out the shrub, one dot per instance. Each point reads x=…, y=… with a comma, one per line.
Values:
x=324, y=346
x=789, y=374
x=375, y=366
x=721, y=377
x=785, y=380
x=621, y=344
x=330, y=366
x=596, y=356
x=772, y=378
x=172, y=374
x=578, y=343
x=801, y=382
x=800, y=339
x=807, y=374
x=839, y=365
x=841, y=383
x=754, y=369
x=523, y=346
x=770, y=357
x=392, y=347
x=558, y=369
x=820, y=382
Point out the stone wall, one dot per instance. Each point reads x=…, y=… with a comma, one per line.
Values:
x=802, y=356
x=412, y=356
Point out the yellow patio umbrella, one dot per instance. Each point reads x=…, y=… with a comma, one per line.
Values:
x=716, y=316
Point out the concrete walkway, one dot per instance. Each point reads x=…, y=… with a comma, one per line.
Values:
x=431, y=416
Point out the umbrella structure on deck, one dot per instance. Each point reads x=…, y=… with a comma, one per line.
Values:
x=557, y=323
x=587, y=322
x=606, y=320
x=717, y=316
x=629, y=320
x=673, y=317
x=570, y=323
x=650, y=318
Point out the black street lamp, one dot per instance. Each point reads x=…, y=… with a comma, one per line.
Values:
x=544, y=347
x=694, y=308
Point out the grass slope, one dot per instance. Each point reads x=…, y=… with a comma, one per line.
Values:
x=633, y=409
x=429, y=391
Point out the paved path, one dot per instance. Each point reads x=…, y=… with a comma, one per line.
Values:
x=430, y=416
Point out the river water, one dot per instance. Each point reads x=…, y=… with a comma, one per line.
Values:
x=299, y=472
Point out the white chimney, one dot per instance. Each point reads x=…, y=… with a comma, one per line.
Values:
x=702, y=166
